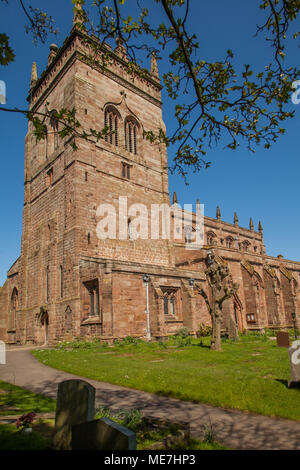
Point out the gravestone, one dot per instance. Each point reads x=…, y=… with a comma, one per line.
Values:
x=102, y=434
x=75, y=405
x=233, y=332
x=294, y=354
x=2, y=353
x=283, y=339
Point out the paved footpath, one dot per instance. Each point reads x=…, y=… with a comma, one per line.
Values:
x=234, y=429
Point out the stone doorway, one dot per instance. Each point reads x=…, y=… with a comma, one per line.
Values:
x=43, y=321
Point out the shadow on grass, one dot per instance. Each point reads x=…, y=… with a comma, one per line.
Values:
x=12, y=439
x=16, y=400
x=295, y=385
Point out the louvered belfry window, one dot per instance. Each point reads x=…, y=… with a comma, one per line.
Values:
x=131, y=129
x=111, y=121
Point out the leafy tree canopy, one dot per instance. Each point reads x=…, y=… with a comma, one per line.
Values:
x=222, y=104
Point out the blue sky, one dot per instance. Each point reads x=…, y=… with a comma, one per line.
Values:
x=264, y=186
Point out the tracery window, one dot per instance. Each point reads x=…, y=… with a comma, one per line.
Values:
x=229, y=242
x=188, y=234
x=211, y=237
x=45, y=143
x=54, y=128
x=94, y=301
x=246, y=246
x=131, y=134
x=169, y=301
x=14, y=307
x=111, y=120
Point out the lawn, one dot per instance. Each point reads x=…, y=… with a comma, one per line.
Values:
x=17, y=401
x=251, y=374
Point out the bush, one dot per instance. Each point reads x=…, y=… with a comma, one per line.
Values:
x=130, y=419
x=128, y=340
x=183, y=332
x=181, y=338
x=204, y=330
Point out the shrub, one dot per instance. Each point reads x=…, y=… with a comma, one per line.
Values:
x=131, y=419
x=128, y=340
x=183, y=332
x=204, y=330
x=181, y=338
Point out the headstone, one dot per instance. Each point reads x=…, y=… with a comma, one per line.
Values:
x=2, y=353
x=283, y=339
x=75, y=405
x=294, y=353
x=102, y=434
x=232, y=329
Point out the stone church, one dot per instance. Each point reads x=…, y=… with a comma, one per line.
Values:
x=67, y=281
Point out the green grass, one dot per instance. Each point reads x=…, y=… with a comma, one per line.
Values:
x=147, y=435
x=17, y=401
x=251, y=374
x=12, y=439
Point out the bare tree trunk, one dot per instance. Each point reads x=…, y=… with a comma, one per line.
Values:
x=221, y=290
x=216, y=332
x=233, y=329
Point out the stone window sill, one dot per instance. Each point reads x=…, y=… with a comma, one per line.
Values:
x=171, y=319
x=91, y=321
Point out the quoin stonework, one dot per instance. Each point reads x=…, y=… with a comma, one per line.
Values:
x=70, y=283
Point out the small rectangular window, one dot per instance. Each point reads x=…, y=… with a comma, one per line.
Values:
x=126, y=171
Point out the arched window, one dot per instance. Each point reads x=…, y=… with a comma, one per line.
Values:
x=14, y=307
x=111, y=120
x=169, y=301
x=45, y=142
x=229, y=242
x=54, y=128
x=47, y=284
x=166, y=305
x=131, y=134
x=188, y=234
x=246, y=246
x=172, y=304
x=61, y=275
x=211, y=237
x=129, y=229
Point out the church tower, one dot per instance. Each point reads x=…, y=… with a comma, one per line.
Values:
x=65, y=266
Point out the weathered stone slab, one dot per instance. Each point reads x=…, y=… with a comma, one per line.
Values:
x=294, y=354
x=102, y=434
x=75, y=405
x=2, y=353
x=233, y=332
x=283, y=339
